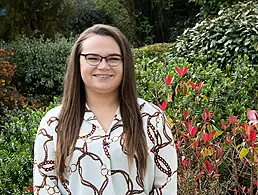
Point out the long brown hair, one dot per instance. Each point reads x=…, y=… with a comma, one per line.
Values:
x=74, y=99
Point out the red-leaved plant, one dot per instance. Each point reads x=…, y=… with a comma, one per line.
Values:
x=213, y=160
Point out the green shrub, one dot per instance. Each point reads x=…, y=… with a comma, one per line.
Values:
x=207, y=165
x=40, y=64
x=237, y=85
x=232, y=33
x=152, y=51
x=212, y=7
x=16, y=151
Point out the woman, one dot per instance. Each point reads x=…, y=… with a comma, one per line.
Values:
x=103, y=139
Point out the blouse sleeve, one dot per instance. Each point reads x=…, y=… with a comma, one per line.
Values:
x=44, y=176
x=165, y=159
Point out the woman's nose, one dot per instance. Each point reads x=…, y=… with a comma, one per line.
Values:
x=103, y=64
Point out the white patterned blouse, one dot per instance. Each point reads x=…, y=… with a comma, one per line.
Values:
x=98, y=165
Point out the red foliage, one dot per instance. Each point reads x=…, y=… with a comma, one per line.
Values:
x=168, y=80
x=163, y=105
x=181, y=71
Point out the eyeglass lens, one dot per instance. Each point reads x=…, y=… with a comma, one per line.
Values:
x=112, y=60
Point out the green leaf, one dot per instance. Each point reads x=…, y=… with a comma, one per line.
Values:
x=218, y=133
x=243, y=152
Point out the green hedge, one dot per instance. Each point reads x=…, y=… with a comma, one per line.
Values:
x=158, y=50
x=16, y=151
x=233, y=32
x=40, y=64
x=228, y=92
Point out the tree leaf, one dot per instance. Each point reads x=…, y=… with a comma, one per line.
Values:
x=243, y=152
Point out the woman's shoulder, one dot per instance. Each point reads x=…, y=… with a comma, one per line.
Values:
x=149, y=107
x=53, y=113
x=49, y=121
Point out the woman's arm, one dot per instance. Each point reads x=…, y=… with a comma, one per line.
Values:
x=44, y=176
x=165, y=159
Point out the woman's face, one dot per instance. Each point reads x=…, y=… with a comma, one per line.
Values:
x=101, y=78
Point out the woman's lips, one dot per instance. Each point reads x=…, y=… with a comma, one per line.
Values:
x=102, y=75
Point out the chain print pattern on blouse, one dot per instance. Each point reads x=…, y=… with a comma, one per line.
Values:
x=105, y=158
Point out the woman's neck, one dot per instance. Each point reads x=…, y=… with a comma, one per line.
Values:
x=102, y=100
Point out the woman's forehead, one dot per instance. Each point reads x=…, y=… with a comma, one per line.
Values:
x=100, y=44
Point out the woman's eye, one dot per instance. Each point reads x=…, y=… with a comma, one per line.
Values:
x=114, y=59
x=92, y=59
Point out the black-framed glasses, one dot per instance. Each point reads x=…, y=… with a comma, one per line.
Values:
x=95, y=59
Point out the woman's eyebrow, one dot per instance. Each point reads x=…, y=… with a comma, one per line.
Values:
x=111, y=54
x=114, y=54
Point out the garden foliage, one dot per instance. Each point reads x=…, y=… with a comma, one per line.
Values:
x=147, y=21
x=16, y=152
x=207, y=110
x=40, y=64
x=237, y=85
x=156, y=51
x=85, y=15
x=223, y=38
x=10, y=99
x=212, y=7
x=35, y=17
